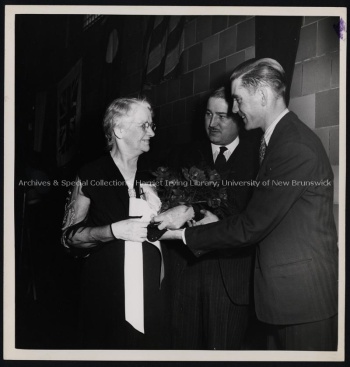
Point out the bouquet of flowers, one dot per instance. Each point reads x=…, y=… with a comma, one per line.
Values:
x=199, y=187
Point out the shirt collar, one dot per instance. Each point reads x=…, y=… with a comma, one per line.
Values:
x=231, y=147
x=271, y=128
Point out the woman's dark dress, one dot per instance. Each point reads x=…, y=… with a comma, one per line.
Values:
x=102, y=311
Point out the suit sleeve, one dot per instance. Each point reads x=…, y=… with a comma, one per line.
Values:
x=269, y=204
x=241, y=194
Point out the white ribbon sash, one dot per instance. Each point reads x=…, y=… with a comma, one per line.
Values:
x=133, y=267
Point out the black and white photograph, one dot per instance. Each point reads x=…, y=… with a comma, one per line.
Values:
x=174, y=183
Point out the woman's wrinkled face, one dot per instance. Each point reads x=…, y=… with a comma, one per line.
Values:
x=137, y=129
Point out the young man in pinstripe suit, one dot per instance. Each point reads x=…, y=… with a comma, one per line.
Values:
x=290, y=216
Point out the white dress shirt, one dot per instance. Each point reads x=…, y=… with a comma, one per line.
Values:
x=230, y=149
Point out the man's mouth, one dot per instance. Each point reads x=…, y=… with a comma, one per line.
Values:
x=213, y=131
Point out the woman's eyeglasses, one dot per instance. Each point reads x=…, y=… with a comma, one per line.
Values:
x=146, y=125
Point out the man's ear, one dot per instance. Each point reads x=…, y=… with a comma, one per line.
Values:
x=263, y=94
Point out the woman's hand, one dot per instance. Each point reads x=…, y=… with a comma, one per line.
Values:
x=130, y=230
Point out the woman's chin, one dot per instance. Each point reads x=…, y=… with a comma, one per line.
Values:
x=145, y=149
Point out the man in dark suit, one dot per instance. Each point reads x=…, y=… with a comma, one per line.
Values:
x=289, y=215
x=214, y=291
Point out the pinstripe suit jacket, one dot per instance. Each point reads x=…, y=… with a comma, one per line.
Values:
x=235, y=264
x=290, y=215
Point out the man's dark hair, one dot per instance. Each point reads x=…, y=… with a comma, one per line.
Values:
x=262, y=72
x=224, y=93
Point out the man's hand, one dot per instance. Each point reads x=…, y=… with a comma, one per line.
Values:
x=209, y=217
x=172, y=235
x=174, y=218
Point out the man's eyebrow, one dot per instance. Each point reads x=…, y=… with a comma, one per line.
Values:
x=217, y=112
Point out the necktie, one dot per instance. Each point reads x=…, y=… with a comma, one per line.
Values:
x=220, y=161
x=262, y=149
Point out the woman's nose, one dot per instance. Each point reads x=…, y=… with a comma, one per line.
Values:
x=150, y=131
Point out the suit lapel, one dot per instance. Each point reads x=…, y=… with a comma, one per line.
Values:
x=234, y=156
x=206, y=152
x=277, y=132
x=274, y=140
x=229, y=167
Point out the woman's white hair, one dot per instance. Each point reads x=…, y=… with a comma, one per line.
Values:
x=116, y=112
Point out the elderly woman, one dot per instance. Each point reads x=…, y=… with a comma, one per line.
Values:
x=100, y=225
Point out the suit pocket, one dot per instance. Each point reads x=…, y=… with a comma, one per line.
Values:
x=292, y=296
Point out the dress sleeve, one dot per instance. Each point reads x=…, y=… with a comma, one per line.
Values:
x=76, y=233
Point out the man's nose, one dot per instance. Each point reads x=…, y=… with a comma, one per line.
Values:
x=213, y=121
x=235, y=108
